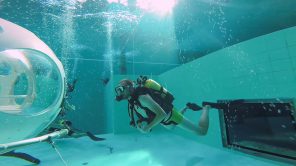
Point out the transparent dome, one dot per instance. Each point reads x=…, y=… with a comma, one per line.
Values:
x=30, y=82
x=31, y=93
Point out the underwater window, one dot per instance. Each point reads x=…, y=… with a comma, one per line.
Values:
x=264, y=127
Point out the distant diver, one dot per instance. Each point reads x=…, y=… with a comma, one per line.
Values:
x=71, y=86
x=105, y=80
x=59, y=124
x=62, y=123
x=73, y=132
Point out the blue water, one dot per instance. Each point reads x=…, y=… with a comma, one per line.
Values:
x=201, y=51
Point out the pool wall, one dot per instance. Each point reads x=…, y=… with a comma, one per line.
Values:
x=263, y=67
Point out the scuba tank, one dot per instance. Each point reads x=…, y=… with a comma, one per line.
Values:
x=143, y=81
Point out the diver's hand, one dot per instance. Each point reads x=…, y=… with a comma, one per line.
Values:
x=142, y=127
x=146, y=130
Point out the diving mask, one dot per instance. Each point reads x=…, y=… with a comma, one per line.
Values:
x=119, y=92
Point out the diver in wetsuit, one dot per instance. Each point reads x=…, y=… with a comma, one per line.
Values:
x=156, y=102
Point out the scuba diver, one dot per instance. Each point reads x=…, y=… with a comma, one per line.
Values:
x=150, y=104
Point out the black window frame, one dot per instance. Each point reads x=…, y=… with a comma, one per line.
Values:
x=249, y=150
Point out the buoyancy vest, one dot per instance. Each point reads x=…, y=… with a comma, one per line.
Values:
x=158, y=93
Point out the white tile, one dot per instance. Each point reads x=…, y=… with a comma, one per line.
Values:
x=275, y=40
x=290, y=35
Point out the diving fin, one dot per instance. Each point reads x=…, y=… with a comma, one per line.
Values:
x=23, y=156
x=223, y=105
x=193, y=106
x=93, y=137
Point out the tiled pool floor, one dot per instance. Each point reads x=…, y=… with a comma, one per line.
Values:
x=134, y=150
